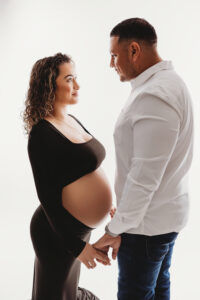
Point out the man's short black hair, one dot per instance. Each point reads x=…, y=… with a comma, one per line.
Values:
x=135, y=28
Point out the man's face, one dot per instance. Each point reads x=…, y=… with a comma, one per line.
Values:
x=120, y=59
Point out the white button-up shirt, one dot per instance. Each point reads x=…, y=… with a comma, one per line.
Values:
x=154, y=144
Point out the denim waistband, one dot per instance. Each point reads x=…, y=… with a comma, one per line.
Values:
x=166, y=237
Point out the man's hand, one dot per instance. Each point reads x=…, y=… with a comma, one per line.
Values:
x=112, y=211
x=89, y=254
x=107, y=241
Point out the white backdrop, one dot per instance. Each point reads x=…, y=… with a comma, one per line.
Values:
x=30, y=30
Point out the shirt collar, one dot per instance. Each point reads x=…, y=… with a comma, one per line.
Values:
x=145, y=75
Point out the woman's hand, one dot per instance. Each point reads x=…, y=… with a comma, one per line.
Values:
x=112, y=211
x=88, y=255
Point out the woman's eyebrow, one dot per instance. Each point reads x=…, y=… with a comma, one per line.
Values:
x=69, y=75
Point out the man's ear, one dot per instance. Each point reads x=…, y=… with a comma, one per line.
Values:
x=135, y=50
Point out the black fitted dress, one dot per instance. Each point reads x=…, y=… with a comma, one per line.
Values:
x=57, y=236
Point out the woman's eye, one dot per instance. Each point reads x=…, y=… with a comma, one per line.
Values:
x=69, y=79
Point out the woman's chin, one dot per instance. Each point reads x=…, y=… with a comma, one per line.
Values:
x=74, y=101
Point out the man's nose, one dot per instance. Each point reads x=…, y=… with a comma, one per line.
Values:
x=111, y=63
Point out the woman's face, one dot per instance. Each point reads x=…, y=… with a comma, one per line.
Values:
x=66, y=84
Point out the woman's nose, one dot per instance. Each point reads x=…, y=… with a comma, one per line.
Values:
x=76, y=85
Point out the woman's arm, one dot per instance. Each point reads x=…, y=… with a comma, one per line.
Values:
x=45, y=165
x=49, y=194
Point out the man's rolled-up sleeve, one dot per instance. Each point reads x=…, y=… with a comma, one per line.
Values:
x=155, y=128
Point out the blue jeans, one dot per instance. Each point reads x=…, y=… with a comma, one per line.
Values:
x=144, y=263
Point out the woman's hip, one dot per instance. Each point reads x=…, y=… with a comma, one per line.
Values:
x=46, y=242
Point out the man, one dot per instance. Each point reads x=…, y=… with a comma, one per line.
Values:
x=154, y=143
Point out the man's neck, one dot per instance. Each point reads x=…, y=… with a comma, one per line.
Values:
x=149, y=64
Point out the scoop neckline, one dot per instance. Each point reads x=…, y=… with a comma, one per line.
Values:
x=58, y=131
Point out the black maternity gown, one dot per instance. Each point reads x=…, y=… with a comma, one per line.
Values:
x=57, y=236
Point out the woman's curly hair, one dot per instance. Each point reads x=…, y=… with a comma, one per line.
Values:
x=41, y=92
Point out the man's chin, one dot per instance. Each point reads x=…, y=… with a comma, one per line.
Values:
x=122, y=78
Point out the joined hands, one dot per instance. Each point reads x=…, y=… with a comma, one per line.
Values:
x=99, y=250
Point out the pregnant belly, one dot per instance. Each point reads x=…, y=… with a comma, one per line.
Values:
x=88, y=199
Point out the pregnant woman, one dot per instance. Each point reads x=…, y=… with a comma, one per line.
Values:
x=73, y=191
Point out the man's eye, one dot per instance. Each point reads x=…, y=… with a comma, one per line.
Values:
x=69, y=79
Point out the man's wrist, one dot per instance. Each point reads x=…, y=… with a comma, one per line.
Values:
x=110, y=233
